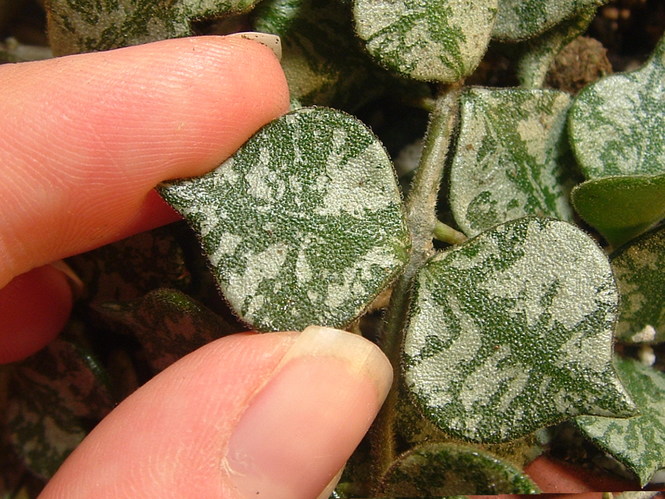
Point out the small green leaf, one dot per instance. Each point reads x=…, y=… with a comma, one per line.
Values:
x=637, y=442
x=83, y=26
x=57, y=395
x=512, y=331
x=437, y=469
x=303, y=225
x=432, y=40
x=522, y=19
x=169, y=324
x=510, y=158
x=616, y=124
x=623, y=207
x=639, y=268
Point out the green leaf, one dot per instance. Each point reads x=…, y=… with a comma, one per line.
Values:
x=57, y=395
x=639, y=268
x=437, y=469
x=83, y=26
x=169, y=324
x=510, y=159
x=522, y=19
x=623, y=207
x=616, y=124
x=323, y=60
x=432, y=40
x=512, y=331
x=128, y=269
x=303, y=225
x=637, y=442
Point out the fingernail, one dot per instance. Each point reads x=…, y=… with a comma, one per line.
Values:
x=73, y=279
x=273, y=42
x=327, y=492
x=302, y=426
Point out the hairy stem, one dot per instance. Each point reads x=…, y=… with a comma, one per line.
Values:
x=422, y=220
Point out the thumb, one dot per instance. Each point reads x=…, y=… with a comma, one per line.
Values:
x=273, y=415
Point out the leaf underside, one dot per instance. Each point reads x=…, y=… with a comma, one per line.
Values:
x=303, y=225
x=512, y=331
x=510, y=159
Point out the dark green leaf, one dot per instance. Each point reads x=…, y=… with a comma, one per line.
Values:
x=510, y=158
x=432, y=40
x=637, y=442
x=623, y=207
x=512, y=331
x=438, y=469
x=303, y=225
x=639, y=268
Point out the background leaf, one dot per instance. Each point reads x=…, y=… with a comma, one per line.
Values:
x=512, y=331
x=616, y=124
x=522, y=19
x=639, y=269
x=432, y=40
x=510, y=159
x=445, y=469
x=303, y=225
x=623, y=207
x=637, y=442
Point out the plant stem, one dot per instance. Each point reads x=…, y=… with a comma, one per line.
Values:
x=446, y=234
x=421, y=220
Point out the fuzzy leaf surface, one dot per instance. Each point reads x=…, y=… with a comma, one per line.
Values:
x=83, y=26
x=616, y=124
x=639, y=268
x=303, y=225
x=510, y=159
x=183, y=325
x=512, y=331
x=56, y=395
x=522, y=19
x=622, y=207
x=637, y=442
x=441, y=469
x=432, y=40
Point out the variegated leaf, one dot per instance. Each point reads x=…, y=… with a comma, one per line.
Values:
x=512, y=331
x=639, y=268
x=522, y=19
x=431, y=40
x=442, y=469
x=622, y=207
x=637, y=442
x=83, y=26
x=510, y=160
x=616, y=124
x=57, y=395
x=303, y=225
x=169, y=324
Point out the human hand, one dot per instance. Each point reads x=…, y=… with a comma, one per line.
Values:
x=85, y=140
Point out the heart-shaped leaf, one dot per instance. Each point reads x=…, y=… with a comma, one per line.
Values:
x=57, y=394
x=441, y=469
x=522, y=19
x=431, y=40
x=75, y=26
x=637, y=442
x=303, y=225
x=623, y=207
x=510, y=158
x=616, y=124
x=639, y=268
x=183, y=324
x=512, y=331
